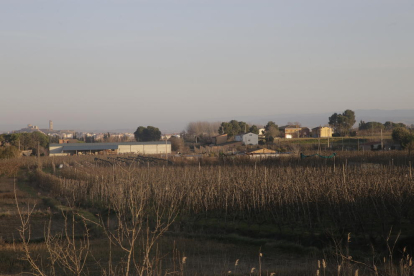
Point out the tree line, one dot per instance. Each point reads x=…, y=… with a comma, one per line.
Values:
x=341, y=123
x=11, y=143
x=377, y=126
x=235, y=127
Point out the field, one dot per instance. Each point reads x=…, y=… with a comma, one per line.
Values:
x=348, y=215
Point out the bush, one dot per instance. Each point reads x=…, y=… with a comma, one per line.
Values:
x=177, y=144
x=9, y=152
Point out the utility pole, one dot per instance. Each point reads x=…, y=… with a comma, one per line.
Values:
x=382, y=143
x=166, y=149
x=319, y=145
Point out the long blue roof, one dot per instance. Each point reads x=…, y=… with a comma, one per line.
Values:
x=104, y=146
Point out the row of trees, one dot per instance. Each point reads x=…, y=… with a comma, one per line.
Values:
x=11, y=143
x=203, y=128
x=377, y=126
x=26, y=141
x=342, y=124
x=234, y=128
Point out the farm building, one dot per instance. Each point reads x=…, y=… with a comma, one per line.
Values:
x=219, y=139
x=247, y=138
x=290, y=131
x=156, y=147
x=321, y=132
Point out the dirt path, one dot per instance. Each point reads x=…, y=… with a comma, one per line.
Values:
x=9, y=217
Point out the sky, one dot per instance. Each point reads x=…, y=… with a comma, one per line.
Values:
x=89, y=64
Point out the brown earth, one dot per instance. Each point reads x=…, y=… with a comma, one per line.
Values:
x=28, y=199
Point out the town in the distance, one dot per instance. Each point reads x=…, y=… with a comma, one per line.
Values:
x=340, y=132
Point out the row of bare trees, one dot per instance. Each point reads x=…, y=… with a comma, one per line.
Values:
x=128, y=223
x=133, y=206
x=351, y=195
x=202, y=128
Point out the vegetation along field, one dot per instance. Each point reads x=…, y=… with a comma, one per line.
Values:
x=348, y=215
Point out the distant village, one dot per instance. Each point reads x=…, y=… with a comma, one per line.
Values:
x=234, y=137
x=65, y=136
x=67, y=142
x=72, y=134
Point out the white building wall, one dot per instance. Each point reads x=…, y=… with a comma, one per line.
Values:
x=159, y=148
x=250, y=139
x=145, y=149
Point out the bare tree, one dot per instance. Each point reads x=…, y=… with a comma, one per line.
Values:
x=64, y=249
x=140, y=221
x=25, y=235
x=203, y=128
x=296, y=124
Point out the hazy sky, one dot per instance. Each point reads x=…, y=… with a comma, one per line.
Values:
x=119, y=64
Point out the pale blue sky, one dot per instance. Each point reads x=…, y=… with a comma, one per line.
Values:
x=119, y=64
